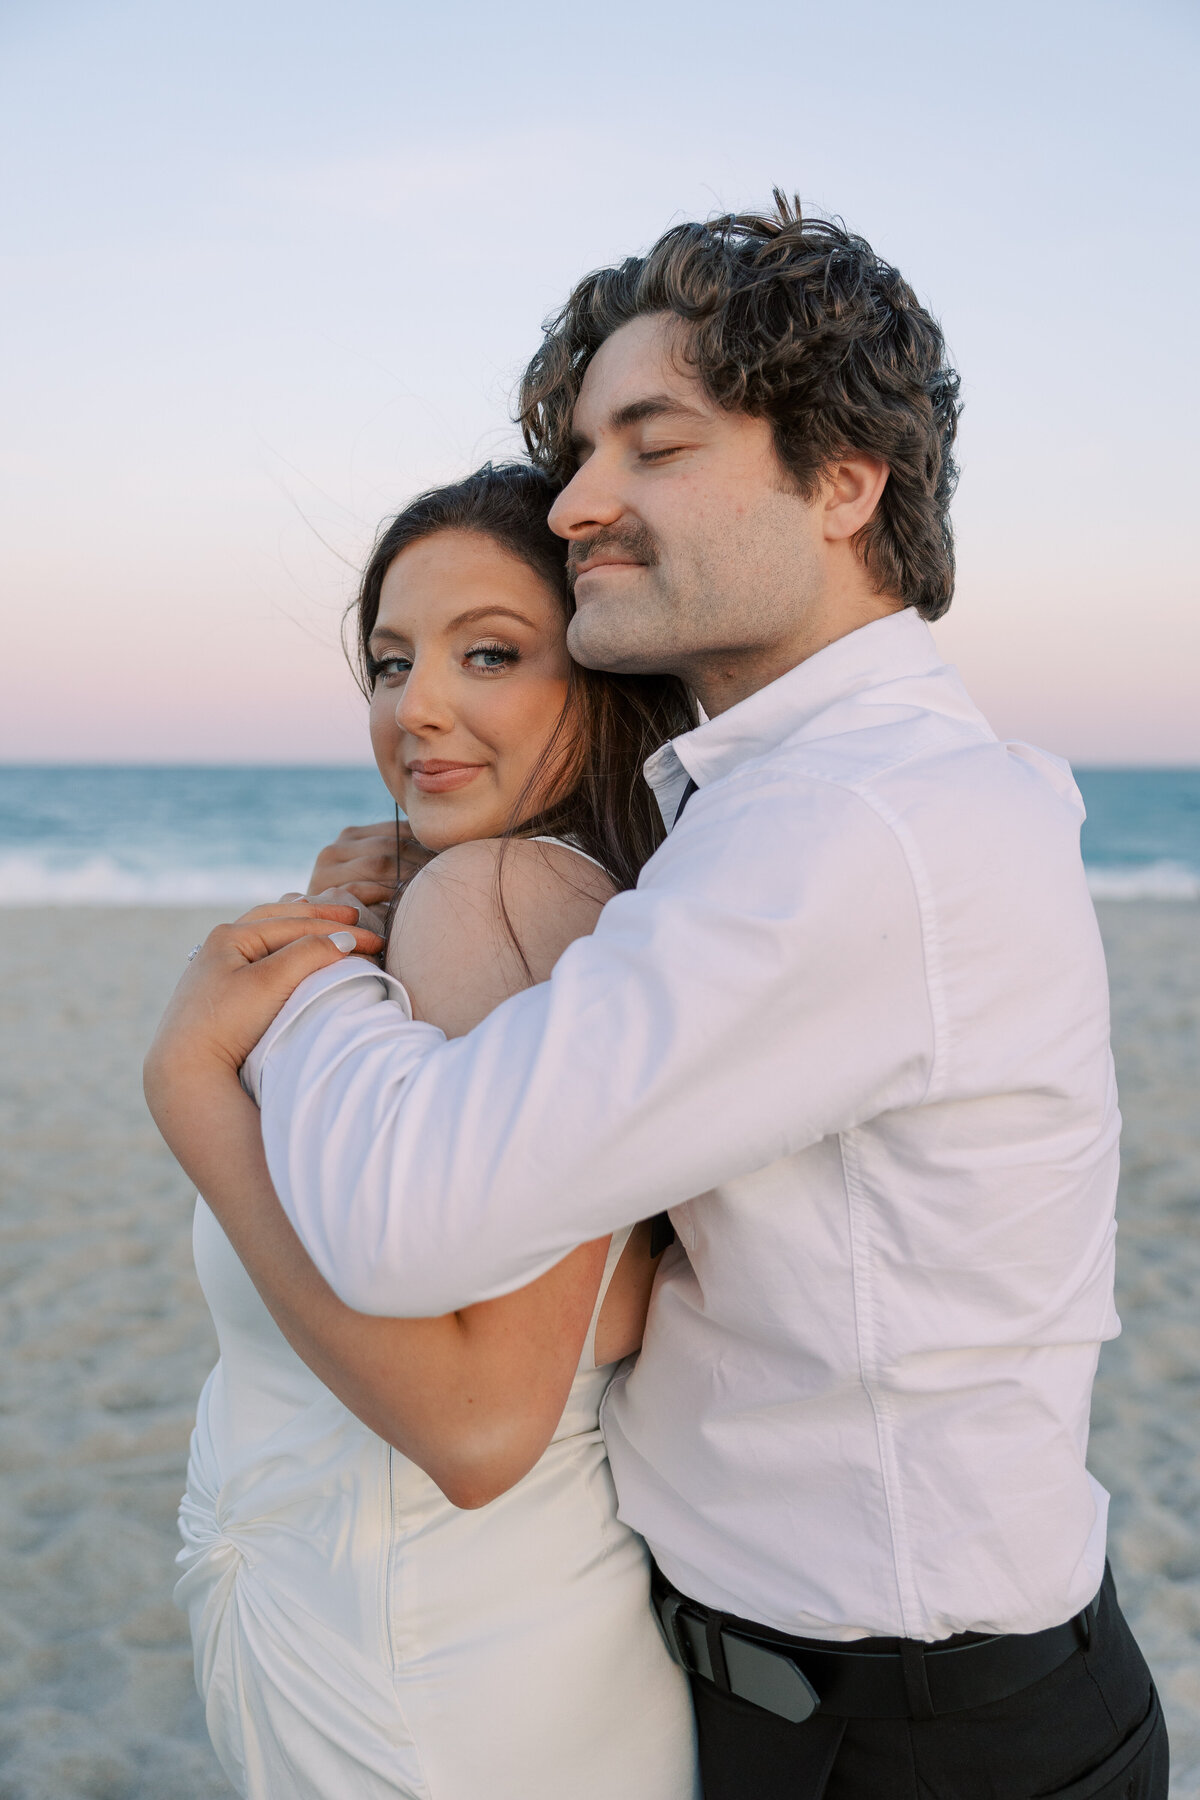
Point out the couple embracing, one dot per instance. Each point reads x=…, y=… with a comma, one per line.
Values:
x=660, y=1277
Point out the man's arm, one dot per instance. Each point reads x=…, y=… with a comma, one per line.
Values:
x=763, y=987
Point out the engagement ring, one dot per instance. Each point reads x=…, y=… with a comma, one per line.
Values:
x=194, y=952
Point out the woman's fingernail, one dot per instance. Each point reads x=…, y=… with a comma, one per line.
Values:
x=343, y=940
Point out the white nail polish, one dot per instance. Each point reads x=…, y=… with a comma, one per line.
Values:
x=343, y=940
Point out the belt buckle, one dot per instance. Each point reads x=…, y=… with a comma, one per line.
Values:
x=685, y=1637
x=756, y=1673
x=768, y=1678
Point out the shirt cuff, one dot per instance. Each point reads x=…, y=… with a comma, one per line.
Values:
x=312, y=989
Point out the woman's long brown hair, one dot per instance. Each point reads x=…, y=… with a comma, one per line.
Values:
x=609, y=725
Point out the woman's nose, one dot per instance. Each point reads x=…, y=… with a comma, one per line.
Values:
x=422, y=704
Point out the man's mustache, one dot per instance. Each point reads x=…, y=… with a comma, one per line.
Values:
x=632, y=543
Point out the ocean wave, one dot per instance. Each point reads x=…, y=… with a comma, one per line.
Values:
x=28, y=879
x=1144, y=881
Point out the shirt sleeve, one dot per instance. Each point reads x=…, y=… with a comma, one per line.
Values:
x=763, y=987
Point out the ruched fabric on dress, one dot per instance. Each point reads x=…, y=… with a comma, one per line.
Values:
x=294, y=1697
x=356, y=1634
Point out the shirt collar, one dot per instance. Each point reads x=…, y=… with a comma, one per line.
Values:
x=888, y=649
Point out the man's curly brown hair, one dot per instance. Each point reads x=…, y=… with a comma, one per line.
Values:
x=799, y=322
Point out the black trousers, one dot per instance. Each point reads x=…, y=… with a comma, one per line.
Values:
x=1090, y=1730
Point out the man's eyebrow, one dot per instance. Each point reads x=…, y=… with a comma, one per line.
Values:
x=654, y=406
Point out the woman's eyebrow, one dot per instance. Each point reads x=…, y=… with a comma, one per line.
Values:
x=476, y=613
x=382, y=634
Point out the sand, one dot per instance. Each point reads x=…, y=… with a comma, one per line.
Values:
x=106, y=1341
x=1145, y=1444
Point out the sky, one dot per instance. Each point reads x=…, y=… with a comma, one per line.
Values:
x=270, y=268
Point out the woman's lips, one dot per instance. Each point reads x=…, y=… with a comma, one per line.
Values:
x=442, y=777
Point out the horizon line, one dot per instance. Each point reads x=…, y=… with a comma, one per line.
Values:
x=1156, y=764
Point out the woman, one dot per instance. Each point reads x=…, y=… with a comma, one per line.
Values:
x=403, y=1568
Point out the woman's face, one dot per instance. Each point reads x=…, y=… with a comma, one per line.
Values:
x=469, y=673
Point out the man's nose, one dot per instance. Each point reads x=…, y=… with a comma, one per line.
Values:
x=590, y=501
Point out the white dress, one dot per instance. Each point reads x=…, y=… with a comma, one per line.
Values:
x=357, y=1637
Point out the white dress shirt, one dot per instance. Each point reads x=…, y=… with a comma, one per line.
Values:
x=852, y=1029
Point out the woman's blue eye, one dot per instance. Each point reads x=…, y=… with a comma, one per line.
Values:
x=493, y=656
x=382, y=667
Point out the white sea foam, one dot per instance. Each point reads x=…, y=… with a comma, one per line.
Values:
x=29, y=879
x=1144, y=881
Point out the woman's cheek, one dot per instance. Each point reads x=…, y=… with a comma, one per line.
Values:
x=534, y=718
x=384, y=735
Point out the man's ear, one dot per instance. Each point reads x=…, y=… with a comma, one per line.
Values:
x=851, y=491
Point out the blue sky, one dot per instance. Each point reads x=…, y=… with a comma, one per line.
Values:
x=270, y=268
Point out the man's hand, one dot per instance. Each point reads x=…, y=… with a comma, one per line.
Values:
x=240, y=979
x=372, y=918
x=362, y=861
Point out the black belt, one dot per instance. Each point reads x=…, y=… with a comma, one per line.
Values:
x=897, y=1678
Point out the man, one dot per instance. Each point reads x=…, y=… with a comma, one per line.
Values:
x=851, y=1029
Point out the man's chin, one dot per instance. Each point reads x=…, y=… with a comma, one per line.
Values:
x=598, y=638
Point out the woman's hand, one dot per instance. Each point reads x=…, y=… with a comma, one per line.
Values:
x=362, y=861
x=239, y=980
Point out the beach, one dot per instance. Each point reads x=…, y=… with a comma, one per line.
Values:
x=107, y=1340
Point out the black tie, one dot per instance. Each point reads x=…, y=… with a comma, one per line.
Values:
x=688, y=791
x=662, y=1233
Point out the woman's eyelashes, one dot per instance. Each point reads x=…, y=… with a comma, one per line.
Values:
x=486, y=659
x=489, y=658
x=387, y=668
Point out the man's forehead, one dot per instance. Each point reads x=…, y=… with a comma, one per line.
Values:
x=639, y=363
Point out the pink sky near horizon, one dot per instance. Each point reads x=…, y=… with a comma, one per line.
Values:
x=256, y=303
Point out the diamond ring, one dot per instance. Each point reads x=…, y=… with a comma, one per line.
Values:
x=194, y=952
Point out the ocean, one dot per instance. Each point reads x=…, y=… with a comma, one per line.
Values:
x=95, y=836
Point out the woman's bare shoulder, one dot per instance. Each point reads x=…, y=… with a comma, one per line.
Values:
x=483, y=878
x=487, y=918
